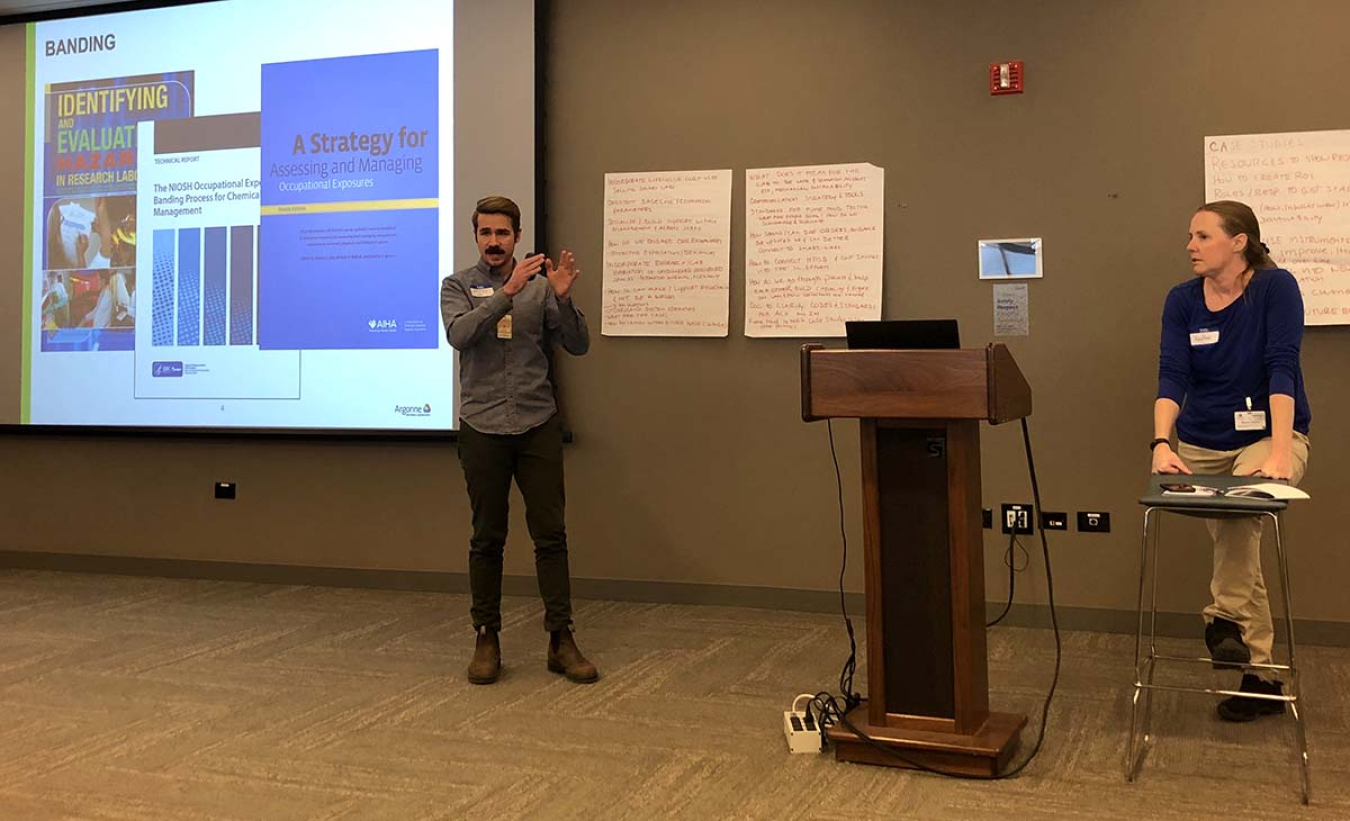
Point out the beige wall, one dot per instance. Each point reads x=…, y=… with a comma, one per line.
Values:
x=691, y=462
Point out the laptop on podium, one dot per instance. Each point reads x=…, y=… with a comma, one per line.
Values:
x=902, y=334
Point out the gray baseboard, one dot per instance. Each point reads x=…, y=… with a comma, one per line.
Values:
x=1090, y=619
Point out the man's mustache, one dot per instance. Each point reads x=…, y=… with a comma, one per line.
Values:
x=495, y=249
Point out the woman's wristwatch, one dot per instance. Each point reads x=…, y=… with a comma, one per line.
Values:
x=1152, y=446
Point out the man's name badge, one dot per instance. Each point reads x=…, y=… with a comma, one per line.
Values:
x=1249, y=420
x=480, y=291
x=504, y=327
x=1204, y=338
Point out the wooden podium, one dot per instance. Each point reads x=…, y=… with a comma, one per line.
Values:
x=927, y=671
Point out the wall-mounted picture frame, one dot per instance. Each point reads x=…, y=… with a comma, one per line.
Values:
x=1012, y=258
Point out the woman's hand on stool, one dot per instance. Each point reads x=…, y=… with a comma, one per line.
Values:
x=1165, y=461
x=1276, y=466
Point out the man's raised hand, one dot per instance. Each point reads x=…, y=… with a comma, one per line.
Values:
x=562, y=277
x=525, y=270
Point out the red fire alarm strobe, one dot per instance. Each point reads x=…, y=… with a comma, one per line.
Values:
x=1005, y=78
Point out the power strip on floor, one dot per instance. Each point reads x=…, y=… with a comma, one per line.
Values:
x=800, y=728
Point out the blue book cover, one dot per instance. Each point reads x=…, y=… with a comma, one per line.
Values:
x=349, y=240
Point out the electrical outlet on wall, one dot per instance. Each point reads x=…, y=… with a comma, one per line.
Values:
x=1017, y=519
x=1094, y=521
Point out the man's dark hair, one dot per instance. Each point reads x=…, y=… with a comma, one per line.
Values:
x=497, y=205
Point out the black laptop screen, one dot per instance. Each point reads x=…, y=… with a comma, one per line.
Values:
x=903, y=334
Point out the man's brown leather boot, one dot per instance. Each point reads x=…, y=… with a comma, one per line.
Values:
x=487, y=658
x=565, y=658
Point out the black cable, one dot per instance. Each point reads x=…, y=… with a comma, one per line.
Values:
x=1010, y=561
x=1050, y=595
x=851, y=699
x=1011, y=557
x=828, y=710
x=1012, y=579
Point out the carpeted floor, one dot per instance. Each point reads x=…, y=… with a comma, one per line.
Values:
x=139, y=698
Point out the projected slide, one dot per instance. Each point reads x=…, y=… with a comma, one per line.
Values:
x=237, y=225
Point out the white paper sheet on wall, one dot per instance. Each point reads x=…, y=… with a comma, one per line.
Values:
x=667, y=258
x=1012, y=316
x=1299, y=186
x=813, y=242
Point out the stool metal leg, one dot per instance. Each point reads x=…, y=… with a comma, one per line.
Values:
x=1134, y=761
x=1295, y=685
x=1152, y=629
x=1302, y=740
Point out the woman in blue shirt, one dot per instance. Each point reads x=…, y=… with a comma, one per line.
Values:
x=1229, y=380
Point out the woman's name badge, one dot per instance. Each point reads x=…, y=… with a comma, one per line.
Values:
x=1204, y=338
x=504, y=330
x=1249, y=420
x=480, y=291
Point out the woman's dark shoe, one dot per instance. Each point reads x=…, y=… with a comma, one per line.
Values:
x=1237, y=708
x=1226, y=647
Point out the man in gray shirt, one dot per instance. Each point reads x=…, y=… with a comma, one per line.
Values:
x=503, y=316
